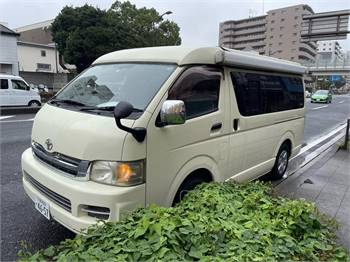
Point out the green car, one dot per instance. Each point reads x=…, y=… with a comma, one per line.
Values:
x=321, y=96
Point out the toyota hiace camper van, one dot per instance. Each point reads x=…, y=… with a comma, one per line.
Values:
x=146, y=125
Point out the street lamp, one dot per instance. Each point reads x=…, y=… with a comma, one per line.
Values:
x=154, y=23
x=166, y=13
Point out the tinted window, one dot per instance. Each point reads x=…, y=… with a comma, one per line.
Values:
x=262, y=93
x=199, y=88
x=20, y=85
x=4, y=84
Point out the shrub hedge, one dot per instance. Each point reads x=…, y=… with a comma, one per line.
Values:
x=215, y=222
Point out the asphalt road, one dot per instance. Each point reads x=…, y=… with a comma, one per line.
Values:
x=19, y=219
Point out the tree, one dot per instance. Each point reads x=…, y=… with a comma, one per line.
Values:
x=84, y=33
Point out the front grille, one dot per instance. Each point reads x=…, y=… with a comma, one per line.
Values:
x=54, y=197
x=69, y=165
x=97, y=212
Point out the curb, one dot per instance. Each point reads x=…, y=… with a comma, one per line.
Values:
x=18, y=110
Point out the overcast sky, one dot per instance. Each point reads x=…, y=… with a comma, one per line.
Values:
x=198, y=19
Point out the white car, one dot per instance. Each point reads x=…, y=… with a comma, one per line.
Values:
x=14, y=91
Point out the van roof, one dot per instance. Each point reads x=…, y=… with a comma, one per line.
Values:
x=8, y=76
x=202, y=55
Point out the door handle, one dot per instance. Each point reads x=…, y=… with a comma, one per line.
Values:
x=235, y=124
x=216, y=126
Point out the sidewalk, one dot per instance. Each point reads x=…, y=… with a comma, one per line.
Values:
x=326, y=182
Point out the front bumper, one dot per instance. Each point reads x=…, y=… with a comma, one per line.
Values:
x=80, y=194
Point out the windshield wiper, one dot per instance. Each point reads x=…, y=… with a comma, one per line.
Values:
x=105, y=108
x=66, y=101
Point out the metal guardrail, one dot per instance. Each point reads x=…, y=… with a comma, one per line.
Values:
x=5, y=111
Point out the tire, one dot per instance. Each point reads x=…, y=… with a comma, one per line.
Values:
x=186, y=186
x=34, y=103
x=281, y=163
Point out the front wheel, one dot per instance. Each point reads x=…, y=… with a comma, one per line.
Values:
x=281, y=163
x=34, y=103
x=188, y=185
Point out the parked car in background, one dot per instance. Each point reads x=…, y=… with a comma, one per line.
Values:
x=321, y=96
x=14, y=91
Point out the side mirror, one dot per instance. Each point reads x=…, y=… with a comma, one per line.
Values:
x=123, y=110
x=173, y=112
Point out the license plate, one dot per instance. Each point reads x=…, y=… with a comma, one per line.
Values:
x=43, y=208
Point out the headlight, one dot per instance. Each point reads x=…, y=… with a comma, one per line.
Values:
x=118, y=173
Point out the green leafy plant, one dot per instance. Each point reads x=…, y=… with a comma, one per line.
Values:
x=215, y=222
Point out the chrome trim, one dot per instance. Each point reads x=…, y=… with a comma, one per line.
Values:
x=53, y=196
x=68, y=165
x=173, y=112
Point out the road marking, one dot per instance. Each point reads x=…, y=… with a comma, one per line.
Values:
x=319, y=107
x=4, y=117
x=17, y=121
x=341, y=102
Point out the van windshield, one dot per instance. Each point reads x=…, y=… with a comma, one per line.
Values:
x=105, y=85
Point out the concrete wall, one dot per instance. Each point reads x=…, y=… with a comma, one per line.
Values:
x=52, y=81
x=8, y=54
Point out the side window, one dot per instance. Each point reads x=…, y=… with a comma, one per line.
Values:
x=262, y=93
x=19, y=85
x=4, y=84
x=199, y=88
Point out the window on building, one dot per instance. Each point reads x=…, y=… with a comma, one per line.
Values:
x=259, y=93
x=294, y=33
x=43, y=67
x=281, y=36
x=4, y=84
x=271, y=37
x=280, y=43
x=283, y=11
x=272, y=21
x=281, y=27
x=296, y=17
x=295, y=26
x=297, y=9
x=43, y=53
x=273, y=13
x=199, y=88
x=294, y=42
x=282, y=19
x=292, y=58
x=271, y=29
x=19, y=85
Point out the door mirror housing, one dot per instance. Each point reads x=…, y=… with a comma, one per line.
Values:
x=173, y=112
x=123, y=110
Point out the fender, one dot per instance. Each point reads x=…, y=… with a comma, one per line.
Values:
x=191, y=165
x=287, y=135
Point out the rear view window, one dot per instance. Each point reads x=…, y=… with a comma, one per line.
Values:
x=199, y=88
x=262, y=93
x=4, y=84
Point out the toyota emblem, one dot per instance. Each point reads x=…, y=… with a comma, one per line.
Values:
x=48, y=144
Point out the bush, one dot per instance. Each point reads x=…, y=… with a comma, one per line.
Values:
x=216, y=221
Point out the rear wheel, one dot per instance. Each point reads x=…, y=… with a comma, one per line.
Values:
x=281, y=163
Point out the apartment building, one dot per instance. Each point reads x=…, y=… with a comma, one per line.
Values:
x=329, y=50
x=8, y=50
x=275, y=34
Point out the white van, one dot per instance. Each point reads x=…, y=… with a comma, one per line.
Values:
x=14, y=91
x=144, y=126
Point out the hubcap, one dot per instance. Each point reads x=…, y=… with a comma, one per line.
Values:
x=282, y=162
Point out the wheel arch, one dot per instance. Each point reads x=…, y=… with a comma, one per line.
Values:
x=193, y=167
x=287, y=138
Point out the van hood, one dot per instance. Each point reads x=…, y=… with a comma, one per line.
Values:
x=80, y=135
